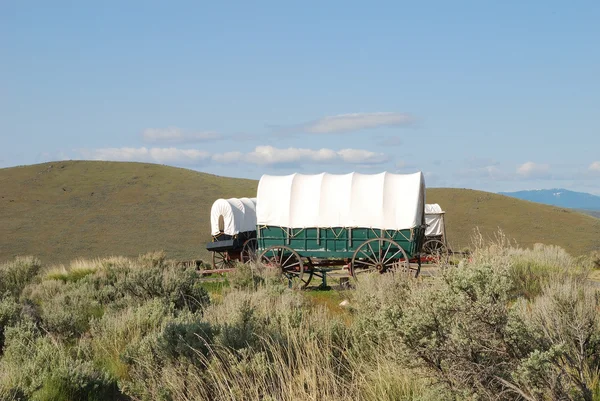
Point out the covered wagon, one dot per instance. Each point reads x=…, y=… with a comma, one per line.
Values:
x=435, y=245
x=233, y=231
x=368, y=222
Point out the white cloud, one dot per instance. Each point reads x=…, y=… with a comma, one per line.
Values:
x=360, y=156
x=269, y=155
x=533, y=170
x=176, y=135
x=356, y=121
x=261, y=155
x=595, y=167
x=152, y=155
x=265, y=155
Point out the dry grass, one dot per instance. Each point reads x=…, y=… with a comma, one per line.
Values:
x=285, y=349
x=61, y=211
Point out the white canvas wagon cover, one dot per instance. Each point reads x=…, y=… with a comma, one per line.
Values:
x=380, y=201
x=239, y=215
x=434, y=218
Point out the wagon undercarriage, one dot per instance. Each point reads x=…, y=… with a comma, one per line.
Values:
x=225, y=254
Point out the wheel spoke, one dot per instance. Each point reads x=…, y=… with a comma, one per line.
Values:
x=386, y=251
x=391, y=257
x=290, y=267
x=374, y=254
x=366, y=263
x=288, y=258
x=368, y=257
x=275, y=258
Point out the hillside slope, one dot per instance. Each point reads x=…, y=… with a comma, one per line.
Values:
x=525, y=222
x=63, y=210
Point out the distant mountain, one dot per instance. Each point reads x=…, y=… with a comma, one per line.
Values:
x=595, y=213
x=559, y=197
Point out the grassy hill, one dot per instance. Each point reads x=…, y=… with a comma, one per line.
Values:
x=526, y=222
x=62, y=210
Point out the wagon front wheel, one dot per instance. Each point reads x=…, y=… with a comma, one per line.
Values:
x=288, y=262
x=221, y=260
x=436, y=251
x=248, y=254
x=379, y=255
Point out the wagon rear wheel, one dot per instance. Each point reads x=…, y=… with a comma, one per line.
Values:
x=249, y=253
x=288, y=262
x=436, y=251
x=222, y=260
x=380, y=255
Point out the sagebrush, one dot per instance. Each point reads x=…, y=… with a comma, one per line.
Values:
x=508, y=324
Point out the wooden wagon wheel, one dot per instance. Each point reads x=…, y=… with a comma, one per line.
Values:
x=249, y=254
x=221, y=260
x=437, y=251
x=288, y=262
x=380, y=255
x=309, y=270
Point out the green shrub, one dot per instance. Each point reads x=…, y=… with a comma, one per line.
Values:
x=37, y=367
x=563, y=330
x=509, y=324
x=182, y=342
x=245, y=277
x=10, y=312
x=242, y=330
x=457, y=328
x=79, y=381
x=243, y=316
x=178, y=286
x=153, y=259
x=532, y=268
x=69, y=275
x=378, y=303
x=470, y=329
x=75, y=270
x=16, y=274
x=65, y=309
x=118, y=329
x=185, y=340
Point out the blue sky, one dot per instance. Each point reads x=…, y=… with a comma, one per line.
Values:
x=488, y=95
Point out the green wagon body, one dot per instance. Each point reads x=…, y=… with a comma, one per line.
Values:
x=336, y=243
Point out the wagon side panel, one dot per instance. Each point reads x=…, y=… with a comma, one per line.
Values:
x=336, y=242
